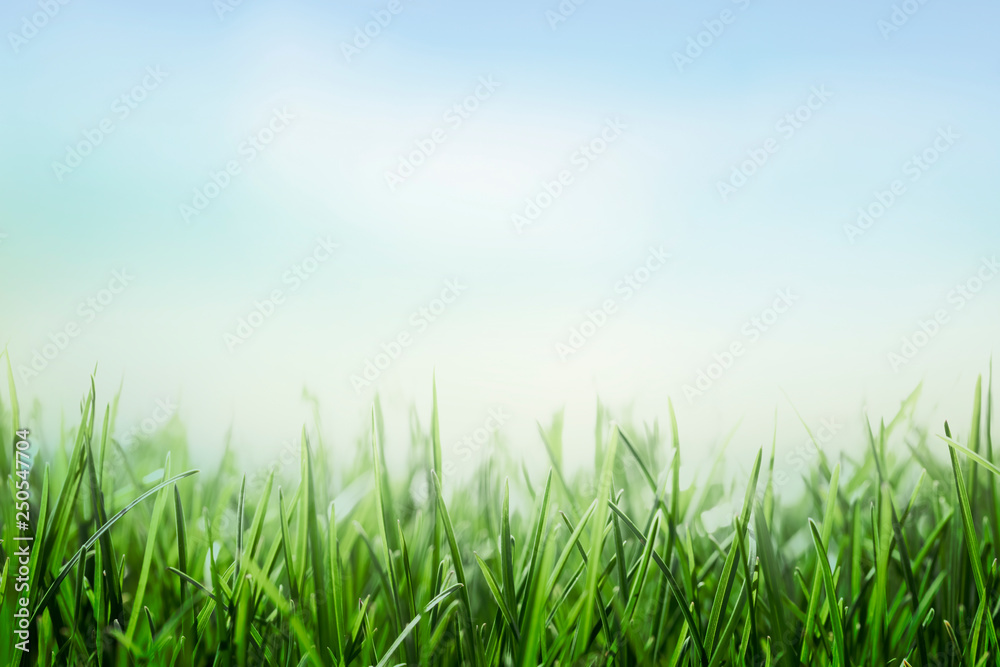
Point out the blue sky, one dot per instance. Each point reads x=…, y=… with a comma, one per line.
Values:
x=224, y=78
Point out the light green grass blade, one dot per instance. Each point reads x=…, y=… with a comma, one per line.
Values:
x=526, y=594
x=147, y=558
x=570, y=546
x=399, y=640
x=15, y=409
x=534, y=631
x=971, y=454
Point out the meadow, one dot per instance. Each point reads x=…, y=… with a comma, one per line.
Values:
x=888, y=556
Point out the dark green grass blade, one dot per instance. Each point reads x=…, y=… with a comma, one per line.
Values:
x=109, y=577
x=404, y=556
x=971, y=541
x=285, y=609
x=316, y=544
x=722, y=593
x=639, y=581
x=635, y=454
x=597, y=540
x=570, y=547
x=991, y=481
x=474, y=653
x=813, y=606
x=286, y=547
x=336, y=585
x=436, y=460
x=728, y=633
x=620, y=556
x=831, y=596
x=441, y=597
x=908, y=576
x=240, y=510
x=507, y=556
x=673, y=515
x=381, y=507
x=51, y=590
x=499, y=597
x=675, y=588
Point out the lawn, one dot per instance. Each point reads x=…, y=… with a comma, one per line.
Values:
x=886, y=558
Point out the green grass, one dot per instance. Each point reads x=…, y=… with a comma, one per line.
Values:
x=887, y=556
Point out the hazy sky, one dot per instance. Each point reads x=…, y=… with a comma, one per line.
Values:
x=225, y=202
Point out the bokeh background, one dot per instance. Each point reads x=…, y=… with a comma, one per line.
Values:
x=118, y=116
